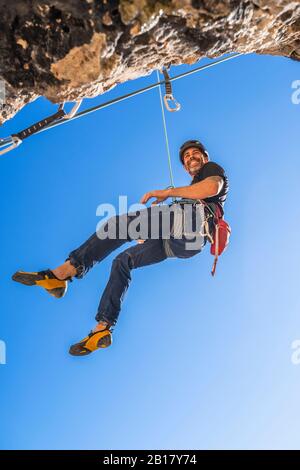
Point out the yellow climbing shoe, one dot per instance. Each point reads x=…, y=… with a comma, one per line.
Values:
x=45, y=279
x=95, y=340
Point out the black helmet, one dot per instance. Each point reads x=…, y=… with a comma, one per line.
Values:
x=192, y=143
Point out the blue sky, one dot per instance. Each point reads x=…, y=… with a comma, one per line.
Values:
x=197, y=362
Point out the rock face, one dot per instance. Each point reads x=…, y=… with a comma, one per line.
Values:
x=71, y=49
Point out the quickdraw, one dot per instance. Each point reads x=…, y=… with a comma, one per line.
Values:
x=169, y=98
x=13, y=141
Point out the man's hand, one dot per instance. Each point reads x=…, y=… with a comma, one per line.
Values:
x=160, y=195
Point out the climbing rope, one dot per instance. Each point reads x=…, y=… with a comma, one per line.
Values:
x=14, y=142
x=166, y=134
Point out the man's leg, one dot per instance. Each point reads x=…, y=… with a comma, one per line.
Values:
x=114, y=233
x=150, y=252
x=95, y=249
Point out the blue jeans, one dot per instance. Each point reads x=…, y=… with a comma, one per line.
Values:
x=153, y=250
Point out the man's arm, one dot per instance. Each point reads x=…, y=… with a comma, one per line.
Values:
x=210, y=186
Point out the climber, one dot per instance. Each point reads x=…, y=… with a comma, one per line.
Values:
x=209, y=183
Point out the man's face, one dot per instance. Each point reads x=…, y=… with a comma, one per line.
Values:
x=193, y=160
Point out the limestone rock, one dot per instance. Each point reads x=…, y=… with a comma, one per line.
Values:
x=72, y=49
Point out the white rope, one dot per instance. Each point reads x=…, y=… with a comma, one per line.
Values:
x=165, y=133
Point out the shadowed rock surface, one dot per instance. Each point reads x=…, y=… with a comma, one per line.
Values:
x=72, y=49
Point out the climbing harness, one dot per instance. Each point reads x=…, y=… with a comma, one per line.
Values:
x=11, y=142
x=182, y=232
x=218, y=235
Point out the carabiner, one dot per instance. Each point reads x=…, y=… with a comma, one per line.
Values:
x=13, y=141
x=168, y=99
x=73, y=110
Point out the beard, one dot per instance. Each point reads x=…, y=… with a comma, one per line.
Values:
x=194, y=167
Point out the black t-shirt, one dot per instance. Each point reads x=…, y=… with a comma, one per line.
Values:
x=213, y=169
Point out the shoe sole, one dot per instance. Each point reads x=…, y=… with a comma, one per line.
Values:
x=58, y=292
x=102, y=343
x=30, y=279
x=105, y=342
